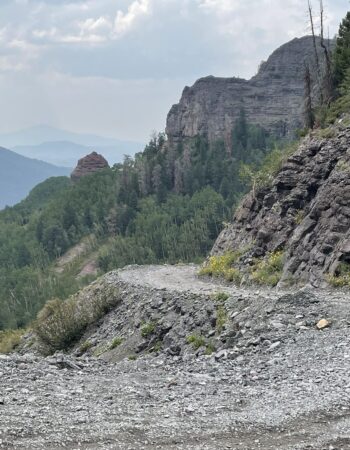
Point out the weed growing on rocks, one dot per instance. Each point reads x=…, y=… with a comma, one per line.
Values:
x=268, y=271
x=147, y=329
x=342, y=276
x=115, y=343
x=221, y=297
x=221, y=318
x=196, y=341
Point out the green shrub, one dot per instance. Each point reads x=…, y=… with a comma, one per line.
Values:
x=115, y=343
x=221, y=267
x=210, y=349
x=196, y=341
x=147, y=329
x=10, y=339
x=157, y=347
x=342, y=276
x=221, y=318
x=268, y=271
x=61, y=323
x=221, y=297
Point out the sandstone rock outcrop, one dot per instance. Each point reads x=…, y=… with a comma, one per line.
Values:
x=88, y=165
x=272, y=99
x=305, y=213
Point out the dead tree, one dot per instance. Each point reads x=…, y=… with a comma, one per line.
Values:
x=317, y=59
x=328, y=84
x=308, y=111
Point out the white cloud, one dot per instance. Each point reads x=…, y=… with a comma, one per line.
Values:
x=144, y=51
x=124, y=21
x=10, y=64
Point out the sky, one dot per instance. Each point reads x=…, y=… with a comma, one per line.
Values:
x=115, y=67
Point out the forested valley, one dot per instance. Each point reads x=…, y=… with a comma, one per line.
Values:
x=167, y=204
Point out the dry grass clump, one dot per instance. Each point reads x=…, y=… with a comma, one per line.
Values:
x=10, y=339
x=61, y=323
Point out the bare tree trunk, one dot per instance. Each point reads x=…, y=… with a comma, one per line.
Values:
x=308, y=113
x=328, y=80
x=317, y=60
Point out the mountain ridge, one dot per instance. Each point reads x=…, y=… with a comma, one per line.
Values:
x=19, y=174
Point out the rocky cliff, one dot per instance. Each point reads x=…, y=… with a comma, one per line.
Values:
x=89, y=164
x=304, y=212
x=272, y=99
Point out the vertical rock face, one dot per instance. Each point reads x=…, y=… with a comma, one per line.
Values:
x=305, y=212
x=89, y=164
x=273, y=98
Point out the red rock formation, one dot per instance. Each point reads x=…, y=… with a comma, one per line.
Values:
x=89, y=164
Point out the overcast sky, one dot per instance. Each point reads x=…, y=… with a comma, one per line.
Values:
x=115, y=67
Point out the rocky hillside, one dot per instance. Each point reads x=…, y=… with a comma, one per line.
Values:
x=272, y=99
x=184, y=363
x=304, y=213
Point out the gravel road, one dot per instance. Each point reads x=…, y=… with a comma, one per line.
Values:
x=291, y=394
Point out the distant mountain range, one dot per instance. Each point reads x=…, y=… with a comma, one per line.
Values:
x=18, y=175
x=64, y=148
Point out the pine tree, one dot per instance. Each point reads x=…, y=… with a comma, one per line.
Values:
x=341, y=58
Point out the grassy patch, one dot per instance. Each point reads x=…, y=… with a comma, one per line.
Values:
x=326, y=133
x=221, y=318
x=196, y=341
x=157, y=347
x=115, y=343
x=147, y=329
x=10, y=339
x=268, y=271
x=221, y=267
x=221, y=297
x=342, y=276
x=210, y=349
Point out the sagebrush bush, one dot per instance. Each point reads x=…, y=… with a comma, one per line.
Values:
x=61, y=323
x=268, y=271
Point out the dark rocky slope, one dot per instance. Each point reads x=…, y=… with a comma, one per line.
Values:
x=305, y=212
x=273, y=98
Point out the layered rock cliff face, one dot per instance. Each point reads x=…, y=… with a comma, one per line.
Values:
x=305, y=213
x=89, y=164
x=272, y=99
